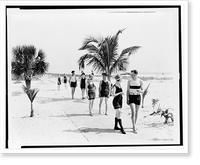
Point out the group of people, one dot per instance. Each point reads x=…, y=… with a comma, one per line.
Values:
x=105, y=90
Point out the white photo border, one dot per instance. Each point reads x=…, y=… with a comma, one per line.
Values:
x=183, y=48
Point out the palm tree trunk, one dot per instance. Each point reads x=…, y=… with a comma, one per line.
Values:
x=109, y=74
x=32, y=110
x=28, y=83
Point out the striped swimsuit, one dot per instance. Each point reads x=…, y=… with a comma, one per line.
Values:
x=134, y=96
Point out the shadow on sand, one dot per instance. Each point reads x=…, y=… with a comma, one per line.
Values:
x=16, y=93
x=44, y=100
x=158, y=125
x=95, y=130
x=74, y=115
x=71, y=115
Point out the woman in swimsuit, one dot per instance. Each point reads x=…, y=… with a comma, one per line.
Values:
x=91, y=92
x=133, y=94
x=83, y=84
x=104, y=92
x=117, y=103
x=73, y=83
x=65, y=80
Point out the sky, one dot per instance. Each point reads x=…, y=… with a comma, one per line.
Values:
x=60, y=33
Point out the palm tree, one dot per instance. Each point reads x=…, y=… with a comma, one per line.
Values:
x=102, y=54
x=31, y=93
x=144, y=94
x=26, y=62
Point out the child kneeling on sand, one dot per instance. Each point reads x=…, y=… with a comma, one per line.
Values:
x=117, y=103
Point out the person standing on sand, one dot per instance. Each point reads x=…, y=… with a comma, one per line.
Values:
x=83, y=84
x=73, y=83
x=59, y=82
x=133, y=95
x=91, y=93
x=92, y=73
x=104, y=92
x=65, y=81
x=117, y=103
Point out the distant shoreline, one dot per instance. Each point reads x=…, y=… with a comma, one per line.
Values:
x=125, y=76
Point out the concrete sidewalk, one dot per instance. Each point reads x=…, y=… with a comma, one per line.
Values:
x=59, y=120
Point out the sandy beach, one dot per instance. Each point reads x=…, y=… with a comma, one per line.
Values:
x=59, y=120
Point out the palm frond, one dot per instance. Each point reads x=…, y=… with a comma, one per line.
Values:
x=87, y=41
x=82, y=60
x=17, y=68
x=104, y=54
x=25, y=62
x=31, y=93
x=91, y=48
x=40, y=68
x=41, y=55
x=145, y=91
x=96, y=63
x=29, y=52
x=130, y=50
x=117, y=35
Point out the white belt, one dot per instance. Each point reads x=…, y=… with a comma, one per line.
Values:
x=134, y=94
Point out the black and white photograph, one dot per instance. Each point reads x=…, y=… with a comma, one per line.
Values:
x=95, y=76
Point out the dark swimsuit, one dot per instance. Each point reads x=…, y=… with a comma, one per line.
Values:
x=117, y=100
x=83, y=83
x=65, y=79
x=104, y=89
x=59, y=81
x=136, y=99
x=91, y=91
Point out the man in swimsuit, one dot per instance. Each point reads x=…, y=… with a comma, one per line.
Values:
x=133, y=95
x=65, y=81
x=104, y=92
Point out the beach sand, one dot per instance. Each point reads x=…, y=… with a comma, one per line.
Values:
x=59, y=120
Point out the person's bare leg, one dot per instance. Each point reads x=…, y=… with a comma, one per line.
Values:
x=137, y=107
x=106, y=105
x=100, y=103
x=133, y=117
x=90, y=107
x=82, y=90
x=72, y=93
x=83, y=93
x=117, y=114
